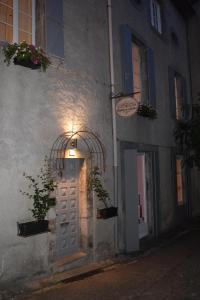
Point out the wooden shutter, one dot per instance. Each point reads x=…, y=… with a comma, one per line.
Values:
x=127, y=68
x=40, y=34
x=54, y=28
x=151, y=77
x=171, y=76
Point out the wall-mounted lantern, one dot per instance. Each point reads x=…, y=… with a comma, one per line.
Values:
x=73, y=147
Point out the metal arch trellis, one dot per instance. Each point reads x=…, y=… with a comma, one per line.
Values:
x=85, y=138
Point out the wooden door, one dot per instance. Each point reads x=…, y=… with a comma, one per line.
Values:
x=67, y=210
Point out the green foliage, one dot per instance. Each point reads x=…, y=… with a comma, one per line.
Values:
x=147, y=111
x=25, y=52
x=187, y=137
x=95, y=184
x=41, y=188
x=9, y=52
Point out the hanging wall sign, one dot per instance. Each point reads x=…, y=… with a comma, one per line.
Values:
x=126, y=107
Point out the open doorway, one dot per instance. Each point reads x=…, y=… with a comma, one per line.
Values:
x=142, y=195
x=147, y=178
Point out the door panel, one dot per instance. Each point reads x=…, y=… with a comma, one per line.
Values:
x=131, y=201
x=67, y=210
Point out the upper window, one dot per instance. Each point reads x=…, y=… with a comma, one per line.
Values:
x=138, y=71
x=179, y=105
x=139, y=63
x=156, y=20
x=17, y=21
x=179, y=97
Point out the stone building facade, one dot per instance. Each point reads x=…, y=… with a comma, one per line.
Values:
x=100, y=51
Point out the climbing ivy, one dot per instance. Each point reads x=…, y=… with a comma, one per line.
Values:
x=95, y=184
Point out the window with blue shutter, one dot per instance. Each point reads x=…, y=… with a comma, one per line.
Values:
x=177, y=95
x=137, y=68
x=54, y=28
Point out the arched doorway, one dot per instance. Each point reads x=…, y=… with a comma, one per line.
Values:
x=73, y=156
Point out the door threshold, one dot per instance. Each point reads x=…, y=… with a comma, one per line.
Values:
x=70, y=258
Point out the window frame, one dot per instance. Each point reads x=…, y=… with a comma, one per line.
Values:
x=156, y=20
x=178, y=106
x=16, y=23
x=144, y=80
x=172, y=75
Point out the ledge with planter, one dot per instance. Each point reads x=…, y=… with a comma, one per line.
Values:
x=32, y=228
x=95, y=184
x=42, y=188
x=108, y=212
x=29, y=228
x=26, y=55
x=147, y=111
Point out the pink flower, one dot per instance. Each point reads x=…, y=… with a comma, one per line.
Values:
x=32, y=48
x=36, y=62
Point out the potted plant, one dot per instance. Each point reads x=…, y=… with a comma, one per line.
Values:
x=26, y=55
x=41, y=187
x=95, y=184
x=147, y=111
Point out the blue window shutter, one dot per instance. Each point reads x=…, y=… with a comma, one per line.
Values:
x=151, y=77
x=54, y=28
x=171, y=76
x=127, y=68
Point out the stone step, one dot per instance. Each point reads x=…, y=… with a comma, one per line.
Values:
x=69, y=276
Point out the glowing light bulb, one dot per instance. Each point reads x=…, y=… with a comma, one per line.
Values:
x=71, y=152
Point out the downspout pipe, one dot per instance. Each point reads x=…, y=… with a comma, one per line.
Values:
x=114, y=127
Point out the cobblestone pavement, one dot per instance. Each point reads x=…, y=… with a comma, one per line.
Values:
x=171, y=272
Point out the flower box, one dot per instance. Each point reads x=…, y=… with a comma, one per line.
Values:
x=32, y=228
x=147, y=111
x=108, y=212
x=26, y=55
x=26, y=63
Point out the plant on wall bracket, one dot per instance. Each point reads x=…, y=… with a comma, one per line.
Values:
x=26, y=55
x=95, y=184
x=41, y=188
x=187, y=136
x=147, y=111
